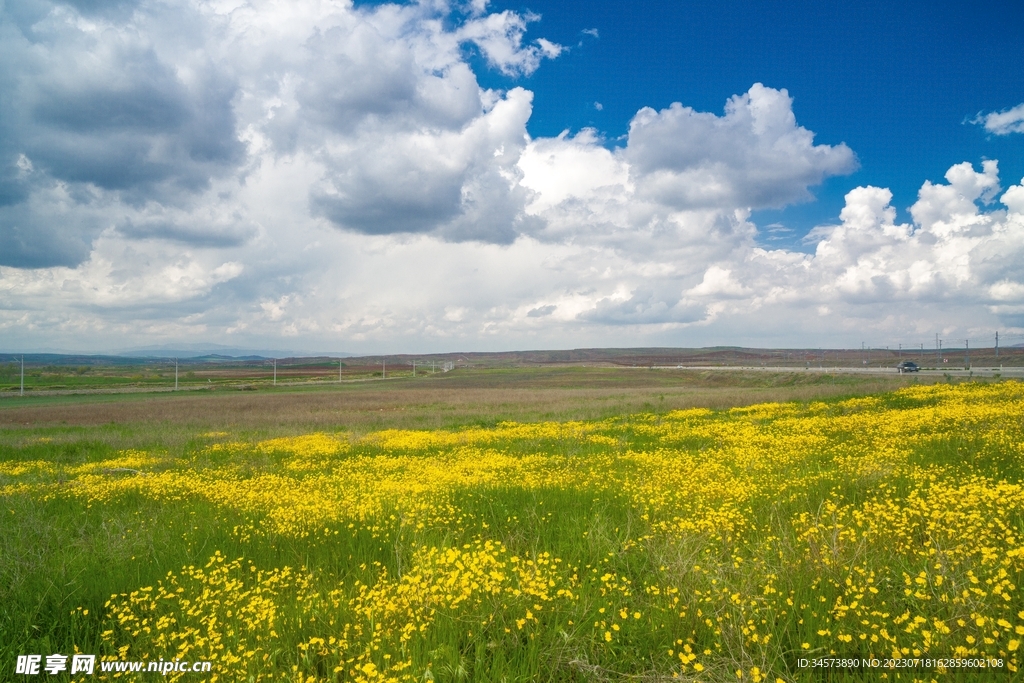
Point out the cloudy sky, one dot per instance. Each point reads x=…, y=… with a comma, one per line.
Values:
x=441, y=176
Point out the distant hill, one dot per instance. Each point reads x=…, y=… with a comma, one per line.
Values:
x=718, y=356
x=191, y=353
x=215, y=352
x=66, y=359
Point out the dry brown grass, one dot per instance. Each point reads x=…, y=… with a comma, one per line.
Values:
x=440, y=401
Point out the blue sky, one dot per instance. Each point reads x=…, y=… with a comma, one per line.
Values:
x=476, y=175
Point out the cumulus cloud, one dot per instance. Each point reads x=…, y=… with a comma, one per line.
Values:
x=1003, y=122
x=868, y=275
x=684, y=180
x=947, y=203
x=255, y=170
x=141, y=104
x=754, y=156
x=953, y=252
x=91, y=102
x=120, y=277
x=431, y=181
x=499, y=37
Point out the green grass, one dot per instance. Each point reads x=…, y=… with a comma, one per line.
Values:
x=61, y=554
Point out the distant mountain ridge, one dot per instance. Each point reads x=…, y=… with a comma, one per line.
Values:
x=206, y=353
x=219, y=352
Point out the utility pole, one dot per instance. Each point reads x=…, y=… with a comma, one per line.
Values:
x=22, y=375
x=384, y=368
x=414, y=368
x=997, y=343
x=275, y=372
x=340, y=366
x=175, y=374
x=938, y=351
x=967, y=354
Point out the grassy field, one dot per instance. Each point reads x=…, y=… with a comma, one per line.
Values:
x=559, y=524
x=55, y=373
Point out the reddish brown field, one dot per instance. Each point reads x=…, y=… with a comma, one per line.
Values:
x=461, y=397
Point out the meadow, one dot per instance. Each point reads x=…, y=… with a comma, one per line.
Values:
x=579, y=527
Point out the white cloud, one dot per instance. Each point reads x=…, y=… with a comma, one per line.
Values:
x=754, y=156
x=683, y=179
x=338, y=175
x=1003, y=122
x=954, y=253
x=120, y=277
x=477, y=7
x=718, y=283
x=869, y=275
x=165, y=105
x=946, y=204
x=1007, y=291
x=570, y=168
x=500, y=38
x=1014, y=199
x=388, y=181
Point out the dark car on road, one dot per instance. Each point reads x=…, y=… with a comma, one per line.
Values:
x=907, y=366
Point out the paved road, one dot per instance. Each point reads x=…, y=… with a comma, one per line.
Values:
x=865, y=370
